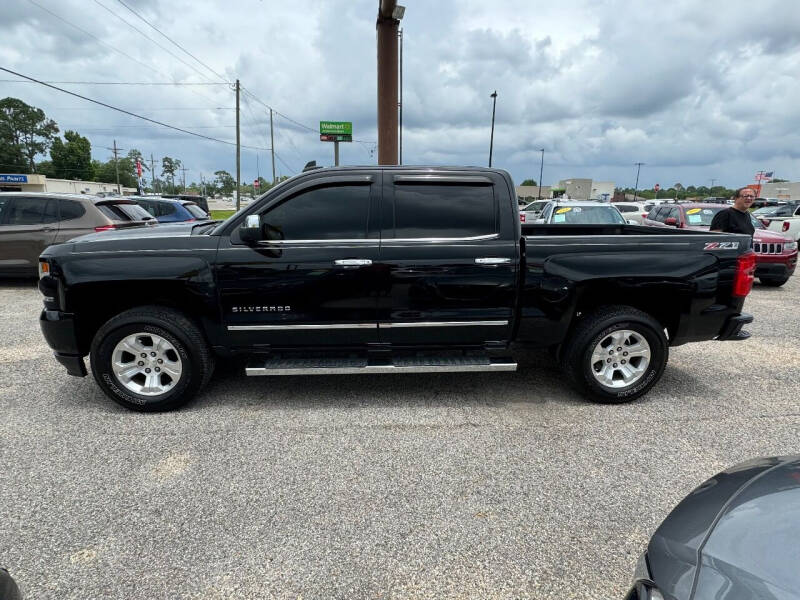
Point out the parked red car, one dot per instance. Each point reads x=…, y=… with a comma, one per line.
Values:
x=776, y=255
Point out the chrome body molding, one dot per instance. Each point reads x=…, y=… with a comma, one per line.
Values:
x=379, y=369
x=369, y=325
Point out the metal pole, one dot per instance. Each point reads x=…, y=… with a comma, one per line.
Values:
x=636, y=189
x=238, y=152
x=116, y=168
x=386, y=27
x=400, y=158
x=272, y=146
x=493, y=96
x=152, y=172
x=336, y=153
x=541, y=169
x=711, y=189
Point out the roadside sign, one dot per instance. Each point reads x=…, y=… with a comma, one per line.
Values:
x=13, y=179
x=657, y=187
x=335, y=131
x=256, y=183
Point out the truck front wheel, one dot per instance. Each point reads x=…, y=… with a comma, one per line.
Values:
x=615, y=354
x=151, y=358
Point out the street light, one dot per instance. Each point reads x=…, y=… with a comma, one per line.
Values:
x=636, y=189
x=493, y=96
x=541, y=168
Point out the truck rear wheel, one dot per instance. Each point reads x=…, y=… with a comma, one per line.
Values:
x=151, y=358
x=615, y=354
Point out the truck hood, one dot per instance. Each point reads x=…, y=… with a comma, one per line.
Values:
x=739, y=527
x=172, y=230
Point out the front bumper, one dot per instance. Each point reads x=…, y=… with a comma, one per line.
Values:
x=59, y=332
x=732, y=330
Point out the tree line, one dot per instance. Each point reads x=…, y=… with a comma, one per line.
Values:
x=27, y=134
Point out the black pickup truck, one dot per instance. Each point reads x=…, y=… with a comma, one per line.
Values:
x=386, y=270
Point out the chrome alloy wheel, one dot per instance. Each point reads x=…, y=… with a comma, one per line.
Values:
x=146, y=364
x=620, y=359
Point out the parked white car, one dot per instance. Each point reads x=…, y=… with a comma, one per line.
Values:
x=576, y=212
x=635, y=211
x=530, y=212
x=787, y=225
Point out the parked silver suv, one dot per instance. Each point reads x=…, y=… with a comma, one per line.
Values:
x=30, y=222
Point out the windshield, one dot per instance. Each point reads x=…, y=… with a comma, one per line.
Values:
x=767, y=211
x=196, y=211
x=124, y=211
x=701, y=217
x=587, y=215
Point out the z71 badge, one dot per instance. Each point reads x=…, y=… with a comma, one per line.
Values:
x=721, y=246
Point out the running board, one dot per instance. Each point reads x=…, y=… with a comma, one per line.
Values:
x=351, y=366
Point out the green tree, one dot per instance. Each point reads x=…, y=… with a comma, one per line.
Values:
x=225, y=182
x=72, y=159
x=529, y=182
x=169, y=166
x=777, y=180
x=25, y=132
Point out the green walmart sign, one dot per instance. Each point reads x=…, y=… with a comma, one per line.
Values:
x=336, y=131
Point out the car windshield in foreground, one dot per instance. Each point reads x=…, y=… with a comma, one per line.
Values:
x=587, y=215
x=701, y=217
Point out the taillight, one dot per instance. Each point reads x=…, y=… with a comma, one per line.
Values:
x=644, y=215
x=785, y=226
x=745, y=270
x=105, y=227
x=521, y=217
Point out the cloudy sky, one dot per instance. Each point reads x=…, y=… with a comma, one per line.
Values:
x=694, y=89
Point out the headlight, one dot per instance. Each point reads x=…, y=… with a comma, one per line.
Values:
x=44, y=268
x=790, y=246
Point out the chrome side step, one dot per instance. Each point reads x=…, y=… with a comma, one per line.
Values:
x=353, y=366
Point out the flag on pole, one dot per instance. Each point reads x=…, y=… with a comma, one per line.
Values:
x=764, y=176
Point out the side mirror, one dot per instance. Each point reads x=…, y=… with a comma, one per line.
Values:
x=671, y=221
x=250, y=231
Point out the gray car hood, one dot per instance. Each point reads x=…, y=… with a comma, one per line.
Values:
x=742, y=528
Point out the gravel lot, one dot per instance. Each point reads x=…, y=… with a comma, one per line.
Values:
x=432, y=486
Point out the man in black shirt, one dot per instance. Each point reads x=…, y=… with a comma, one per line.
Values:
x=736, y=219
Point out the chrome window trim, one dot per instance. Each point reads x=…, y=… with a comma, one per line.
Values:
x=435, y=178
x=376, y=241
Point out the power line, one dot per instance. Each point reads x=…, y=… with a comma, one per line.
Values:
x=177, y=83
x=291, y=170
x=195, y=69
x=91, y=35
x=127, y=112
x=173, y=41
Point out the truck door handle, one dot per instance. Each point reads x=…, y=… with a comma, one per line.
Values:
x=492, y=261
x=352, y=262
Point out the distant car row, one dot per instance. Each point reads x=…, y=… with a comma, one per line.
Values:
x=774, y=241
x=30, y=222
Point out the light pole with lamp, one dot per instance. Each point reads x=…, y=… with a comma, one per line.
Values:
x=493, y=96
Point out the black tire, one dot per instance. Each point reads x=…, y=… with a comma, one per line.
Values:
x=197, y=360
x=576, y=355
x=773, y=281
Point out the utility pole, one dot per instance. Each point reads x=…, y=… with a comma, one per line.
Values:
x=272, y=146
x=238, y=152
x=116, y=167
x=184, y=169
x=711, y=189
x=389, y=15
x=636, y=189
x=152, y=172
x=541, y=169
x=493, y=96
x=400, y=104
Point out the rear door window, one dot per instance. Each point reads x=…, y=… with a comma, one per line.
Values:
x=336, y=212
x=443, y=211
x=32, y=211
x=71, y=209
